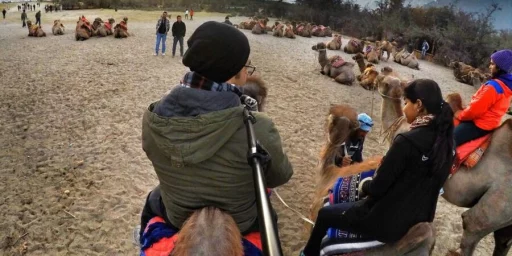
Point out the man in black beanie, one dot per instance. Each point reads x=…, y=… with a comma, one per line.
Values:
x=196, y=140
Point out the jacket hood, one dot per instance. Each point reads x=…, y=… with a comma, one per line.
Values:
x=507, y=79
x=191, y=125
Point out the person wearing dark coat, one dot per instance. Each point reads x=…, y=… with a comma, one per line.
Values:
x=4, y=12
x=178, y=32
x=406, y=187
x=23, y=18
x=38, y=18
x=227, y=21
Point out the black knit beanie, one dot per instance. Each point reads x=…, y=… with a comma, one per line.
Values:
x=217, y=51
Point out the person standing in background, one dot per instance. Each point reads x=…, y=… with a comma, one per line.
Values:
x=23, y=18
x=186, y=14
x=162, y=27
x=191, y=14
x=38, y=18
x=4, y=12
x=178, y=32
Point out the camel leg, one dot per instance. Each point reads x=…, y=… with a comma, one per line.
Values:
x=489, y=214
x=503, y=241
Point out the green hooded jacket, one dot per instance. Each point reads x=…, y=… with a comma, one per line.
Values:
x=201, y=157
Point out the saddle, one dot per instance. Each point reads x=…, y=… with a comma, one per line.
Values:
x=368, y=49
x=337, y=62
x=314, y=29
x=355, y=43
x=469, y=154
x=123, y=25
x=339, y=242
x=107, y=25
x=300, y=28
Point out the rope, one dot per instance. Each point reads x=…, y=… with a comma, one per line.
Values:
x=389, y=97
x=392, y=128
x=295, y=211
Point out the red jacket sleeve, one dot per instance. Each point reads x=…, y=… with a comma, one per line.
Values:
x=481, y=102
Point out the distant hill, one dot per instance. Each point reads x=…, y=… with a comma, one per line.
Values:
x=502, y=19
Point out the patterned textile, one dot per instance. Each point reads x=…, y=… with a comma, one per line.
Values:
x=469, y=154
x=108, y=26
x=355, y=43
x=339, y=242
x=337, y=62
x=300, y=28
x=422, y=121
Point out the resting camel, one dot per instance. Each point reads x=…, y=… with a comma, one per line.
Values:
x=303, y=30
x=121, y=29
x=247, y=24
x=341, y=120
x=367, y=78
x=83, y=29
x=288, y=31
x=35, y=30
x=260, y=27
x=467, y=74
x=407, y=59
x=485, y=188
x=335, y=43
x=372, y=54
x=321, y=31
x=101, y=28
x=353, y=46
x=58, y=28
x=335, y=67
x=388, y=47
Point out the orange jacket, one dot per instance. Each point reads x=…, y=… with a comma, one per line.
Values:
x=489, y=104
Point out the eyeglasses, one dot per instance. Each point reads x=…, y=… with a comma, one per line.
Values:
x=250, y=69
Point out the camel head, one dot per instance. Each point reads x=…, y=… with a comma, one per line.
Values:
x=111, y=21
x=125, y=19
x=256, y=89
x=454, y=64
x=455, y=101
x=477, y=78
x=358, y=56
x=389, y=86
x=29, y=24
x=196, y=237
x=342, y=119
x=319, y=47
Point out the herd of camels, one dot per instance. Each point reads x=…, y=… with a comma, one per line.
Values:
x=484, y=189
x=84, y=29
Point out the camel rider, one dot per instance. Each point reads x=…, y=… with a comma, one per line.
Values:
x=196, y=139
x=352, y=150
x=490, y=103
x=405, y=190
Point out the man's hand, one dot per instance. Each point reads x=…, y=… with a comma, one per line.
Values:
x=346, y=161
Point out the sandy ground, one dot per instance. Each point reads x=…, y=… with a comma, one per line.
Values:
x=74, y=176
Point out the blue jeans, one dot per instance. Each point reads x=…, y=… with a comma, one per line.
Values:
x=160, y=37
x=423, y=52
x=176, y=40
x=466, y=132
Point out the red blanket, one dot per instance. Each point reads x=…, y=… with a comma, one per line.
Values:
x=469, y=154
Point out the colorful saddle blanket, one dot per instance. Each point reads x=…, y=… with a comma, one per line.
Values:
x=107, y=25
x=469, y=154
x=337, y=62
x=355, y=43
x=159, y=239
x=339, y=242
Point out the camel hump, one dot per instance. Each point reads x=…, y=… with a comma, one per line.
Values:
x=209, y=231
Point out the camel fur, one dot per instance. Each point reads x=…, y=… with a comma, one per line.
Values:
x=58, y=28
x=343, y=74
x=359, y=58
x=335, y=43
x=353, y=46
x=35, y=30
x=407, y=59
x=367, y=78
x=121, y=29
x=260, y=27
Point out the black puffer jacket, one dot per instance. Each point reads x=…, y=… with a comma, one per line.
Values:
x=178, y=29
x=404, y=192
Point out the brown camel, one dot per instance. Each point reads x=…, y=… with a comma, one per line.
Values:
x=288, y=31
x=388, y=47
x=367, y=78
x=485, y=189
x=58, y=28
x=260, y=27
x=372, y=54
x=101, y=28
x=335, y=43
x=35, y=30
x=353, y=46
x=335, y=67
x=209, y=231
x=256, y=89
x=467, y=74
x=341, y=120
x=321, y=31
x=359, y=58
x=121, y=29
x=303, y=30
x=248, y=25
x=278, y=29
x=83, y=29
x=407, y=59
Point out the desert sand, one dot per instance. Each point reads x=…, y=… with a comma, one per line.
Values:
x=74, y=175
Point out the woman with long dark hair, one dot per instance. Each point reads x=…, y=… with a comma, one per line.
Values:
x=405, y=190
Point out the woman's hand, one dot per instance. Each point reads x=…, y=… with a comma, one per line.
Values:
x=346, y=161
x=374, y=162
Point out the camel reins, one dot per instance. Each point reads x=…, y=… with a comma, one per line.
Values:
x=388, y=97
